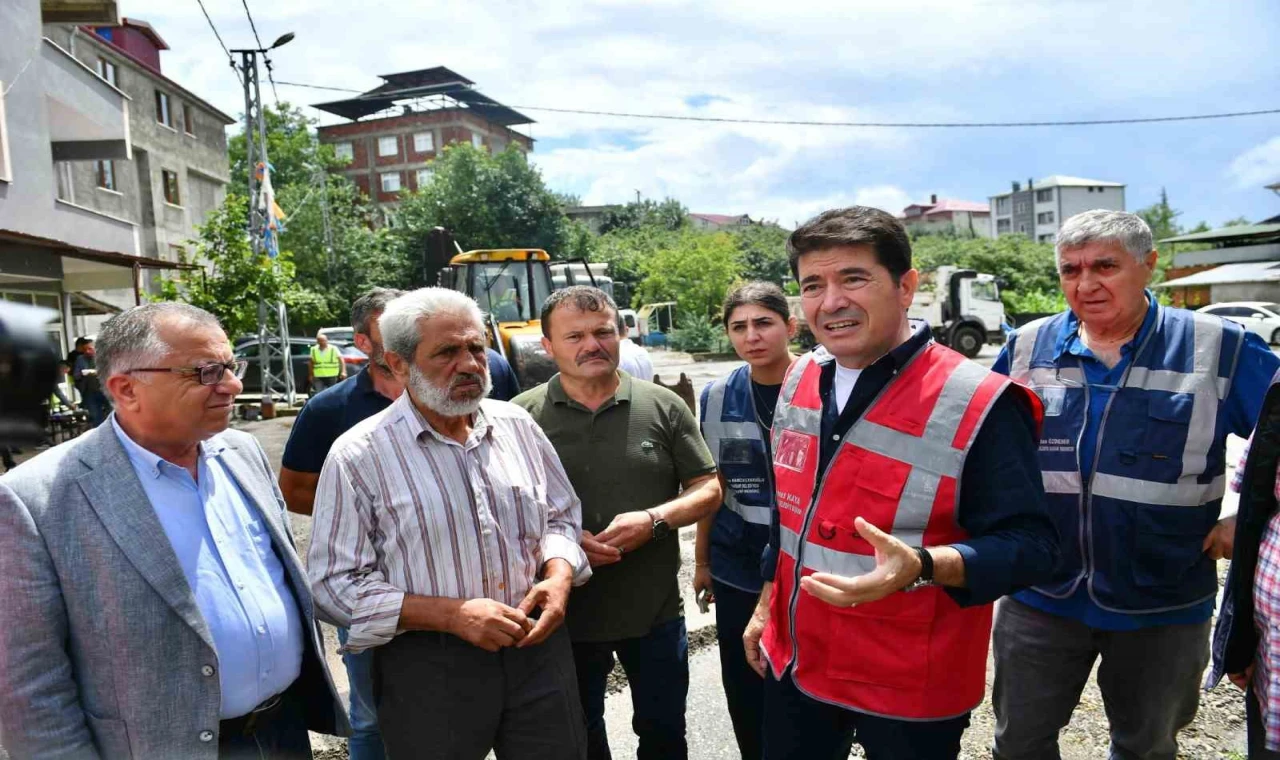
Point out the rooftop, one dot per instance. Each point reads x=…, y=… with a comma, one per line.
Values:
x=722, y=219
x=428, y=89
x=1063, y=180
x=1241, y=233
x=1257, y=271
x=942, y=205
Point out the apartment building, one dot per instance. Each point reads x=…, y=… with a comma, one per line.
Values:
x=395, y=130
x=57, y=250
x=1038, y=210
x=179, y=169
x=948, y=216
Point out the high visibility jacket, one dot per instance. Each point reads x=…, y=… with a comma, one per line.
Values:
x=326, y=362
x=1134, y=532
x=915, y=655
x=732, y=429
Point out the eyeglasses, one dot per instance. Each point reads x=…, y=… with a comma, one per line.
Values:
x=207, y=374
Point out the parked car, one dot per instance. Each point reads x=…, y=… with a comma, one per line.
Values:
x=1259, y=317
x=299, y=354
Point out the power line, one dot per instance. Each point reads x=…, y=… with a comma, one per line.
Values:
x=807, y=123
x=252, y=26
x=230, y=59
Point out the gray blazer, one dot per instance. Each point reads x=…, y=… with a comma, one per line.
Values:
x=103, y=651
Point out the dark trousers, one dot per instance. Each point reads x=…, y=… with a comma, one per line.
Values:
x=97, y=407
x=1257, y=730
x=798, y=727
x=1149, y=678
x=279, y=733
x=440, y=698
x=743, y=689
x=657, y=668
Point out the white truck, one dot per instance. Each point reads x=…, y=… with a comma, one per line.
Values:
x=962, y=307
x=577, y=272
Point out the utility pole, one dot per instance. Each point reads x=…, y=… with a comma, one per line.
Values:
x=273, y=318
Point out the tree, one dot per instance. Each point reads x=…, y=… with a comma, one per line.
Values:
x=233, y=281
x=763, y=250
x=694, y=269
x=668, y=214
x=1239, y=221
x=295, y=155
x=1028, y=268
x=486, y=201
x=1161, y=218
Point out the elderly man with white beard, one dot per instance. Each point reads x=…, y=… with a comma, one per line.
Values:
x=446, y=538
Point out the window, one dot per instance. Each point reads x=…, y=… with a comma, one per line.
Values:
x=1044, y=196
x=388, y=146
x=477, y=140
x=177, y=253
x=1044, y=217
x=162, y=110
x=188, y=119
x=424, y=142
x=1021, y=207
x=984, y=290
x=1101, y=189
x=424, y=177
x=1002, y=205
x=106, y=171
x=1022, y=229
x=1047, y=238
x=1002, y=225
x=391, y=182
x=107, y=70
x=1091, y=188
x=170, y=181
x=344, y=151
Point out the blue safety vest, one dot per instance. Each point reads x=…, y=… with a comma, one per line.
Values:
x=738, y=444
x=1134, y=532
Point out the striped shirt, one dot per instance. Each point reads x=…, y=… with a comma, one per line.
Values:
x=401, y=509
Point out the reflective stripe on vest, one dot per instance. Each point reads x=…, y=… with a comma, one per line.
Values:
x=326, y=363
x=912, y=655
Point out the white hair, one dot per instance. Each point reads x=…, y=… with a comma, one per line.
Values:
x=401, y=332
x=130, y=340
x=1127, y=230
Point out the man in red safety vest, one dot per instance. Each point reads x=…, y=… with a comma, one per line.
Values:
x=909, y=500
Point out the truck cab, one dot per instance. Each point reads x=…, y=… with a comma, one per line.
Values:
x=962, y=306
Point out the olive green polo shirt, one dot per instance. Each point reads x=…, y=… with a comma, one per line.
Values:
x=631, y=454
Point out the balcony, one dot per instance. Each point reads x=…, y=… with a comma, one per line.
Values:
x=88, y=118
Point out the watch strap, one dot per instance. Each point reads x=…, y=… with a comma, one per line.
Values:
x=926, y=565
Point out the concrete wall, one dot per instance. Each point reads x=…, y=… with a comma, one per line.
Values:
x=1078, y=199
x=1246, y=291
x=28, y=201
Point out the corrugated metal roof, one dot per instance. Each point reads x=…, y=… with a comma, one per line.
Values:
x=1258, y=271
x=1240, y=232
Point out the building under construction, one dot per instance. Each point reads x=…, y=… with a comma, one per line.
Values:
x=397, y=128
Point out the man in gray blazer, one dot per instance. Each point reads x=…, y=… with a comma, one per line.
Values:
x=152, y=604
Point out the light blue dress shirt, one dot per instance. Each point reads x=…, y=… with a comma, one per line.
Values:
x=226, y=554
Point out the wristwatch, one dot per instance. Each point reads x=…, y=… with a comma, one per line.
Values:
x=926, y=570
x=660, y=527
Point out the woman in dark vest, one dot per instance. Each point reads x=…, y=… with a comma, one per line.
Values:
x=736, y=415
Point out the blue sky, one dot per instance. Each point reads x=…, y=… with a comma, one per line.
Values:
x=834, y=61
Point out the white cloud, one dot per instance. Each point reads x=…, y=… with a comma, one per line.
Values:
x=1258, y=166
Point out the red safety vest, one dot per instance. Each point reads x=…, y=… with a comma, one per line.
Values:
x=914, y=654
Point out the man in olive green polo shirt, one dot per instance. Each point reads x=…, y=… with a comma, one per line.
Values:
x=629, y=447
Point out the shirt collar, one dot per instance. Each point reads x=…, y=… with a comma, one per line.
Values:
x=557, y=394
x=1069, y=340
x=421, y=429
x=148, y=462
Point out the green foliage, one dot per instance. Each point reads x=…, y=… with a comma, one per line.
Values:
x=486, y=201
x=1026, y=266
x=694, y=269
x=292, y=149
x=669, y=214
x=233, y=281
x=1034, y=301
x=1161, y=218
x=698, y=334
x=763, y=251
x=1239, y=221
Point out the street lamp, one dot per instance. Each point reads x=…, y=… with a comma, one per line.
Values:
x=284, y=39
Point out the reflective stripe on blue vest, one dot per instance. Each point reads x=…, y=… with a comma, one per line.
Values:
x=737, y=442
x=1133, y=532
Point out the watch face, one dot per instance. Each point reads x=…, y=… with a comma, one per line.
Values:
x=661, y=529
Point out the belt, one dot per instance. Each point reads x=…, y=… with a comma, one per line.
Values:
x=254, y=720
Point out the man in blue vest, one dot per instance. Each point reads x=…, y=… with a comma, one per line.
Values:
x=1139, y=399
